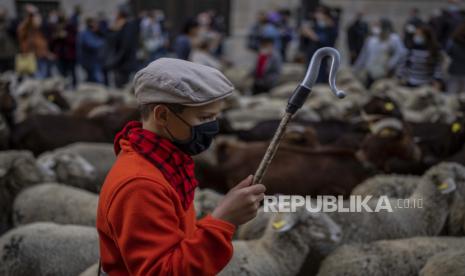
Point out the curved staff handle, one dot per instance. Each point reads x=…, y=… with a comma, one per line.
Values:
x=301, y=93
x=297, y=100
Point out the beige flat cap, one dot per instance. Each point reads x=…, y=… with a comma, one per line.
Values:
x=170, y=80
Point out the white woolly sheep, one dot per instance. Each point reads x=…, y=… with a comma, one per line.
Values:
x=205, y=201
x=48, y=249
x=30, y=100
x=283, y=248
x=404, y=257
x=291, y=72
x=391, y=185
x=436, y=192
x=57, y=203
x=69, y=168
x=18, y=170
x=100, y=155
x=83, y=164
x=254, y=229
x=91, y=271
x=403, y=186
x=450, y=263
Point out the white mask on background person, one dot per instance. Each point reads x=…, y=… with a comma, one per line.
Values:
x=53, y=18
x=410, y=28
x=321, y=23
x=419, y=39
x=376, y=30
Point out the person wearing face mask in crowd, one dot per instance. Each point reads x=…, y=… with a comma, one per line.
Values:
x=321, y=32
x=422, y=64
x=146, y=219
x=381, y=54
x=413, y=22
x=267, y=66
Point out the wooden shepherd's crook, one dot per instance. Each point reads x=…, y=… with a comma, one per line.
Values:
x=297, y=100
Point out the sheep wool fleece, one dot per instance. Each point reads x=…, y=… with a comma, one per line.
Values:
x=144, y=229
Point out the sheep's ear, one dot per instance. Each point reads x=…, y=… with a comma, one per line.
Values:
x=447, y=186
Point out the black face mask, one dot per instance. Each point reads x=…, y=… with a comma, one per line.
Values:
x=201, y=137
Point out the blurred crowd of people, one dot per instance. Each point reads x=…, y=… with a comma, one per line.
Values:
x=109, y=52
x=416, y=56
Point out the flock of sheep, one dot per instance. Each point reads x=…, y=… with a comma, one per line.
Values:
x=49, y=199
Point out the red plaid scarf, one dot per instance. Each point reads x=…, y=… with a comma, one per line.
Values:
x=176, y=166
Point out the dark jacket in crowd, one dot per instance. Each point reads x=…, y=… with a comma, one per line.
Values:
x=456, y=52
x=182, y=47
x=90, y=46
x=356, y=35
x=121, y=47
x=64, y=47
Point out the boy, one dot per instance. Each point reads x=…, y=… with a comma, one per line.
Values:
x=146, y=220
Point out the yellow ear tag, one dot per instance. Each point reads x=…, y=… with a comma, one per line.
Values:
x=456, y=127
x=444, y=185
x=389, y=106
x=51, y=98
x=385, y=133
x=279, y=224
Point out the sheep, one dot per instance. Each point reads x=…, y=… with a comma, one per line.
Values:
x=55, y=203
x=392, y=185
x=322, y=102
x=18, y=170
x=254, y=228
x=48, y=249
x=100, y=156
x=284, y=91
x=91, y=271
x=450, y=262
x=393, y=257
x=403, y=187
x=70, y=168
x=83, y=164
x=288, y=239
x=30, y=100
x=422, y=104
x=254, y=109
x=436, y=192
x=205, y=201
x=291, y=72
x=239, y=77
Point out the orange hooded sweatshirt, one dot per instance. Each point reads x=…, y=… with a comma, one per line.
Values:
x=144, y=230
